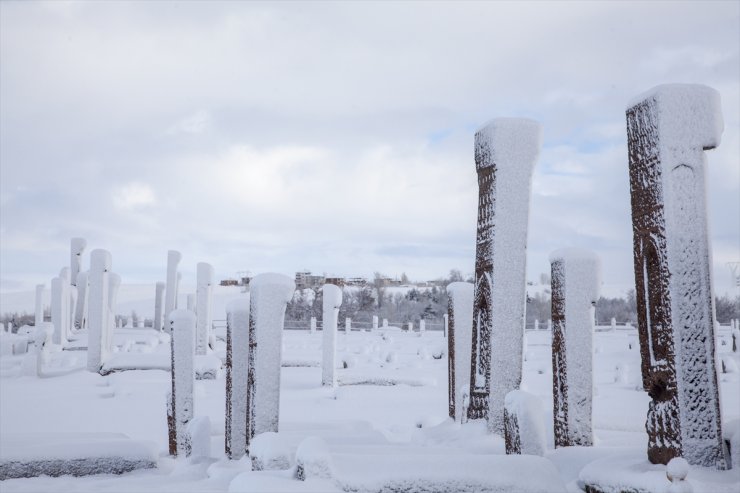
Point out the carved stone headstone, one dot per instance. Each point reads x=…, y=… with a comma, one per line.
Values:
x=459, y=334
x=506, y=150
x=524, y=424
x=180, y=410
x=269, y=296
x=575, y=290
x=668, y=130
x=99, y=311
x=237, y=371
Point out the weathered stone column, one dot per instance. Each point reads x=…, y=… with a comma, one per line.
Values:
x=98, y=319
x=170, y=295
x=575, y=289
x=180, y=410
x=269, y=296
x=332, y=300
x=237, y=371
x=57, y=310
x=39, y=319
x=204, y=290
x=506, y=150
x=77, y=248
x=459, y=337
x=158, y=301
x=668, y=130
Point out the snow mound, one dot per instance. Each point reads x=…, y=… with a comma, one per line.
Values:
x=268, y=451
x=25, y=455
x=312, y=459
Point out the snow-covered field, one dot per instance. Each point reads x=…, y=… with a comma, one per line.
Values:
x=386, y=424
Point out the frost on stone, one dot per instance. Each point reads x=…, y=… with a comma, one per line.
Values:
x=199, y=430
x=506, y=150
x=170, y=295
x=312, y=459
x=332, y=300
x=204, y=294
x=269, y=296
x=668, y=130
x=182, y=328
x=268, y=451
x=77, y=248
x=524, y=424
x=237, y=370
x=39, y=305
x=459, y=340
x=575, y=289
x=98, y=310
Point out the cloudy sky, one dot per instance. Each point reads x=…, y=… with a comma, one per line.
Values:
x=335, y=137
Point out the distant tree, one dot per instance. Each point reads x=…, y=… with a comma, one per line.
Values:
x=380, y=288
x=405, y=279
x=727, y=308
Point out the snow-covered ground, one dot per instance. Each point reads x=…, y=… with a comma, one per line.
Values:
x=385, y=423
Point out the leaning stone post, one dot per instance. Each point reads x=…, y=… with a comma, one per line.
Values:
x=506, y=150
x=459, y=337
x=98, y=318
x=332, y=302
x=39, y=319
x=170, y=295
x=237, y=366
x=575, y=289
x=269, y=296
x=180, y=410
x=80, y=320
x=158, y=300
x=668, y=130
x=204, y=290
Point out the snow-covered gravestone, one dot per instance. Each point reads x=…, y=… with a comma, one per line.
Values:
x=524, y=424
x=347, y=325
x=237, y=364
x=170, y=298
x=180, y=409
x=575, y=289
x=422, y=326
x=668, y=130
x=80, y=314
x=269, y=296
x=77, y=248
x=158, y=300
x=459, y=336
x=506, y=150
x=98, y=318
x=39, y=318
x=205, y=279
x=114, y=284
x=375, y=322
x=332, y=300
x=313, y=325
x=60, y=306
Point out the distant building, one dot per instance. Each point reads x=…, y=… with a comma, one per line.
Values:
x=229, y=282
x=356, y=281
x=337, y=281
x=306, y=280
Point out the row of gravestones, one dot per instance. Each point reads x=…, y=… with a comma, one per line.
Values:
x=668, y=130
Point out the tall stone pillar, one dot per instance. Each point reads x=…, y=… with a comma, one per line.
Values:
x=158, y=301
x=39, y=319
x=269, y=296
x=170, y=295
x=57, y=310
x=99, y=318
x=80, y=320
x=332, y=300
x=575, y=290
x=204, y=293
x=506, y=150
x=237, y=372
x=459, y=318
x=668, y=130
x=180, y=410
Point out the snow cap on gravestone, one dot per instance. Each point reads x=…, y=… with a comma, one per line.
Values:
x=509, y=141
x=703, y=125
